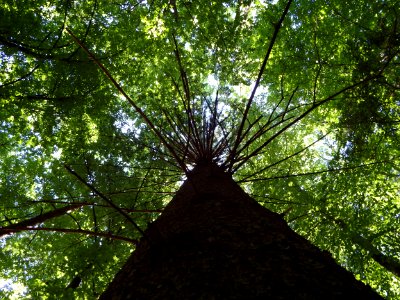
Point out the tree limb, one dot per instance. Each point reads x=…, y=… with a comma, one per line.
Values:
x=105, y=198
x=38, y=219
x=239, y=136
x=67, y=230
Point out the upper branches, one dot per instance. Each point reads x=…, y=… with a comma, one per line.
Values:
x=239, y=135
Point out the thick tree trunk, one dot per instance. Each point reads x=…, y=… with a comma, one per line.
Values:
x=213, y=241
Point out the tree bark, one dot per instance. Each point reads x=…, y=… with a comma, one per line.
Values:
x=213, y=241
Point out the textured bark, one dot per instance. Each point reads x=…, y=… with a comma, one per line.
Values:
x=213, y=241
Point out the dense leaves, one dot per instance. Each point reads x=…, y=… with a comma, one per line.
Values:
x=82, y=172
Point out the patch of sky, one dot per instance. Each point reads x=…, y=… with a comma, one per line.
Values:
x=295, y=23
x=57, y=152
x=240, y=92
x=325, y=148
x=268, y=2
x=50, y=10
x=126, y=125
x=16, y=289
x=7, y=64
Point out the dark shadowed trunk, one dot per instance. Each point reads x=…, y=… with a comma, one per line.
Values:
x=213, y=241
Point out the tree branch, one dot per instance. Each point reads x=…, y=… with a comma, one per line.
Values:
x=311, y=173
x=239, y=136
x=131, y=102
x=38, y=219
x=281, y=160
x=389, y=263
x=302, y=116
x=67, y=230
x=105, y=198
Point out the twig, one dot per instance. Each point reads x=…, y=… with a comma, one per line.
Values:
x=67, y=230
x=39, y=219
x=303, y=115
x=312, y=173
x=239, y=136
x=105, y=198
x=131, y=102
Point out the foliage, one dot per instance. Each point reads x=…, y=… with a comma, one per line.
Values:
x=314, y=136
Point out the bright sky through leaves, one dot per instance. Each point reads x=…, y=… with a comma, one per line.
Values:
x=319, y=142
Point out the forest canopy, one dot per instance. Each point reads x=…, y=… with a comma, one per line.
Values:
x=105, y=106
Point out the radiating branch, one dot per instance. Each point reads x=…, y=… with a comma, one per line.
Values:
x=281, y=160
x=21, y=78
x=129, y=210
x=67, y=230
x=239, y=136
x=38, y=219
x=302, y=116
x=105, y=198
x=312, y=173
x=131, y=102
x=192, y=128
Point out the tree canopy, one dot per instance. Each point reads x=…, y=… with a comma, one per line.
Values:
x=104, y=105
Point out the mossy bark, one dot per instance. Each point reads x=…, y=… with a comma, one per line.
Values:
x=213, y=241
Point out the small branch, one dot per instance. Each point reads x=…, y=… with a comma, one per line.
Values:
x=21, y=78
x=38, y=219
x=392, y=264
x=282, y=160
x=319, y=67
x=302, y=116
x=131, y=102
x=311, y=173
x=239, y=136
x=141, y=186
x=105, y=198
x=288, y=103
x=274, y=200
x=67, y=230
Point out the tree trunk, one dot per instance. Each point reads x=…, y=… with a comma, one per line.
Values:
x=213, y=241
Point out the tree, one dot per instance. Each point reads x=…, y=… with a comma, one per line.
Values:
x=298, y=101
x=215, y=242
